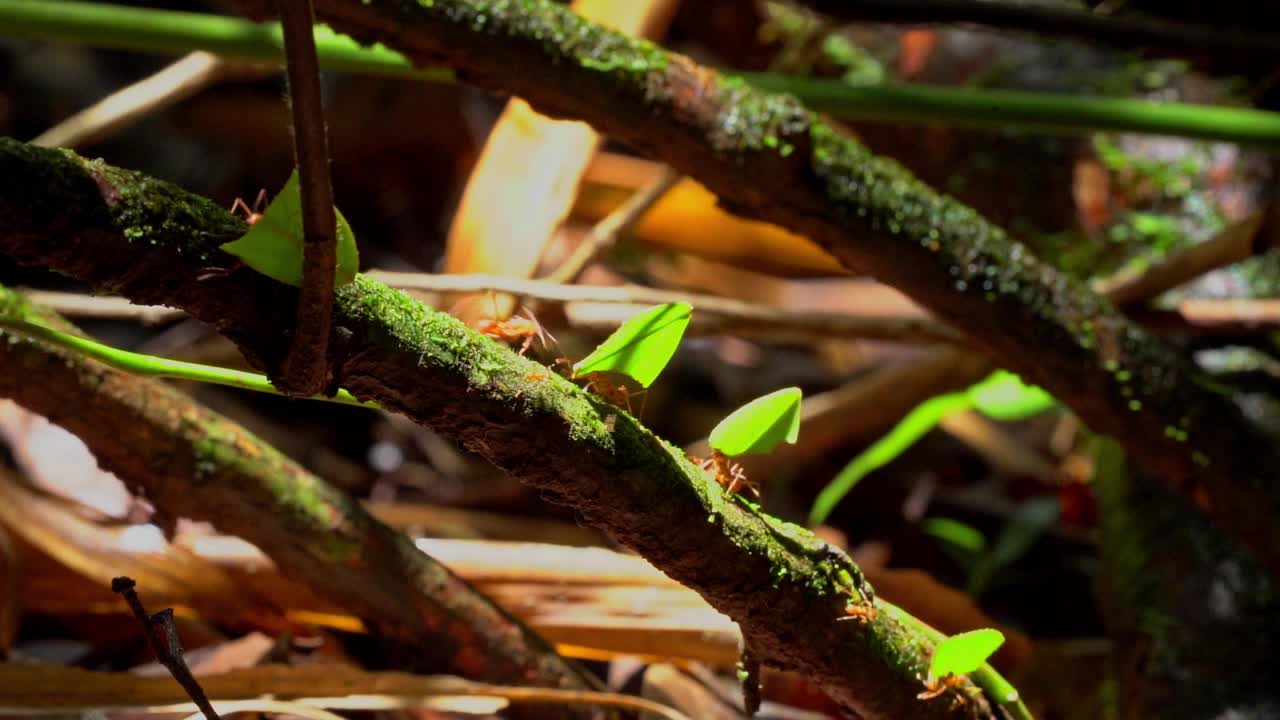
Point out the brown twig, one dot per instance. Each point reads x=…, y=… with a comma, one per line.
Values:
x=176, y=82
x=749, y=679
x=1233, y=244
x=616, y=224
x=714, y=313
x=305, y=369
x=162, y=634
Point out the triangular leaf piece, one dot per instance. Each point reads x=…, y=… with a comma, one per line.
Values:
x=1003, y=396
x=273, y=245
x=643, y=346
x=760, y=425
x=964, y=653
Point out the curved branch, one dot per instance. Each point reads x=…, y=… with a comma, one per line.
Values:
x=149, y=241
x=767, y=157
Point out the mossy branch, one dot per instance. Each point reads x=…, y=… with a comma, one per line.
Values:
x=768, y=157
x=191, y=462
x=149, y=241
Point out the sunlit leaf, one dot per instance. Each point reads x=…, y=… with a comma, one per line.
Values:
x=643, y=346
x=962, y=654
x=273, y=245
x=1003, y=396
x=911, y=428
x=965, y=537
x=760, y=425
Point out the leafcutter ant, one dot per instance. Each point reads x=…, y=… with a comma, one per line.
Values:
x=951, y=685
x=729, y=474
x=254, y=214
x=599, y=384
x=860, y=612
x=251, y=216
x=523, y=328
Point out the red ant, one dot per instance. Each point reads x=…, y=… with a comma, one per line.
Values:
x=254, y=214
x=861, y=612
x=600, y=384
x=937, y=687
x=729, y=474
x=524, y=328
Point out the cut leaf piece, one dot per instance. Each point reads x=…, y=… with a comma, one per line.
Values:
x=273, y=245
x=964, y=653
x=643, y=346
x=760, y=425
x=1003, y=396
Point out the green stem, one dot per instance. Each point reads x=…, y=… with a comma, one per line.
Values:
x=1049, y=112
x=162, y=31
x=158, y=367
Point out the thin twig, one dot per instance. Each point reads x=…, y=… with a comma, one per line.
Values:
x=1233, y=244
x=100, y=307
x=163, y=637
x=618, y=223
x=305, y=371
x=122, y=108
x=737, y=315
x=749, y=679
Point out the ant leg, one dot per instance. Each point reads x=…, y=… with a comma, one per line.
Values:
x=239, y=206
x=644, y=400
x=524, y=346
x=260, y=202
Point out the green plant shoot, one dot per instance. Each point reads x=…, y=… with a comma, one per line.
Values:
x=642, y=346
x=1000, y=396
x=273, y=245
x=964, y=653
x=760, y=425
x=158, y=367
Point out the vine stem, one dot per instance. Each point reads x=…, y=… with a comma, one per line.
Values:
x=158, y=367
x=164, y=31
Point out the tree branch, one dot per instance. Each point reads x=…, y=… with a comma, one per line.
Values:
x=767, y=157
x=1242, y=50
x=147, y=240
x=191, y=462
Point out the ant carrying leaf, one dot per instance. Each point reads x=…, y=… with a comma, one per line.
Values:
x=757, y=427
x=273, y=244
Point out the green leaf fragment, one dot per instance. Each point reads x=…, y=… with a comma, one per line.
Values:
x=760, y=425
x=966, y=537
x=1003, y=396
x=642, y=346
x=274, y=244
x=964, y=653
